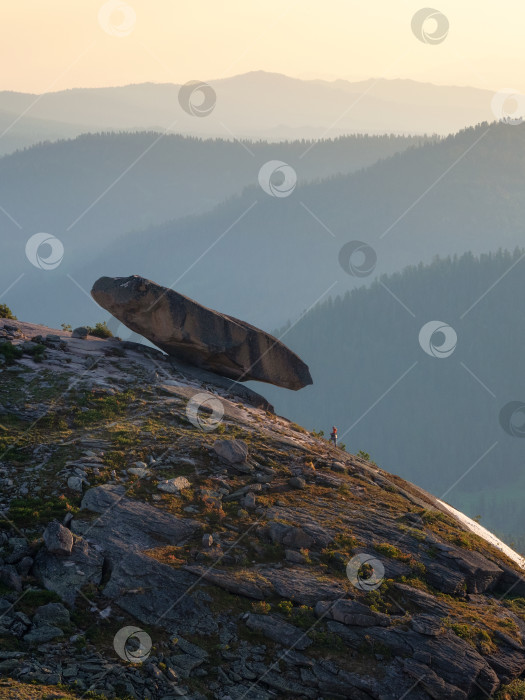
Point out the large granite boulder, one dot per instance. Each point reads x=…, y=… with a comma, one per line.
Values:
x=200, y=336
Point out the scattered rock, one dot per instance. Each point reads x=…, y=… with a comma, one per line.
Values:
x=75, y=483
x=24, y=566
x=249, y=501
x=304, y=587
x=174, y=485
x=429, y=625
x=10, y=577
x=233, y=451
x=138, y=471
x=297, y=482
x=207, y=540
x=278, y=630
x=66, y=576
x=351, y=612
x=43, y=633
x=58, y=539
x=52, y=614
x=80, y=332
x=295, y=557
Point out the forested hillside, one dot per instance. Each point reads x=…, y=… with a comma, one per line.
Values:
x=283, y=252
x=90, y=190
x=429, y=419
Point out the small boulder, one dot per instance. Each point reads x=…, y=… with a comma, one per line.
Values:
x=278, y=630
x=43, y=634
x=297, y=482
x=58, y=539
x=75, y=483
x=249, y=500
x=52, y=614
x=233, y=451
x=20, y=549
x=138, y=471
x=295, y=557
x=174, y=485
x=10, y=577
x=24, y=566
x=80, y=332
x=207, y=540
x=66, y=578
x=351, y=612
x=428, y=625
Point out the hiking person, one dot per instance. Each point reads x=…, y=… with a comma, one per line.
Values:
x=333, y=435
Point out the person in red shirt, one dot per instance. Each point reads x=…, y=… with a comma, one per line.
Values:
x=333, y=435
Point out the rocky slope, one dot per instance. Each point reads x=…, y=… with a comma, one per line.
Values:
x=251, y=558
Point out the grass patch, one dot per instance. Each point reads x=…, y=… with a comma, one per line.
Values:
x=477, y=637
x=102, y=407
x=10, y=352
x=35, y=598
x=27, y=512
x=512, y=691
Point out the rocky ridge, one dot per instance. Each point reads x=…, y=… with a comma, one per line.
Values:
x=227, y=535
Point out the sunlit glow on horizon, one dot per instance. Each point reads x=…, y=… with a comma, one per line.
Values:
x=60, y=44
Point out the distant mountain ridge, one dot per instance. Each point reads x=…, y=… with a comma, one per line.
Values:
x=265, y=105
x=284, y=253
x=91, y=190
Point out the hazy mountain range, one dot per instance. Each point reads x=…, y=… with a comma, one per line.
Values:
x=254, y=105
x=283, y=253
x=90, y=191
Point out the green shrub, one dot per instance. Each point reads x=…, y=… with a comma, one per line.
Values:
x=392, y=552
x=261, y=607
x=515, y=690
x=38, y=352
x=304, y=617
x=100, y=330
x=5, y=312
x=10, y=352
x=286, y=607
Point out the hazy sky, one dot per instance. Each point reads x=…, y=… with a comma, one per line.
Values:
x=59, y=44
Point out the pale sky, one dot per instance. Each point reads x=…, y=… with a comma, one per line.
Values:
x=56, y=44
